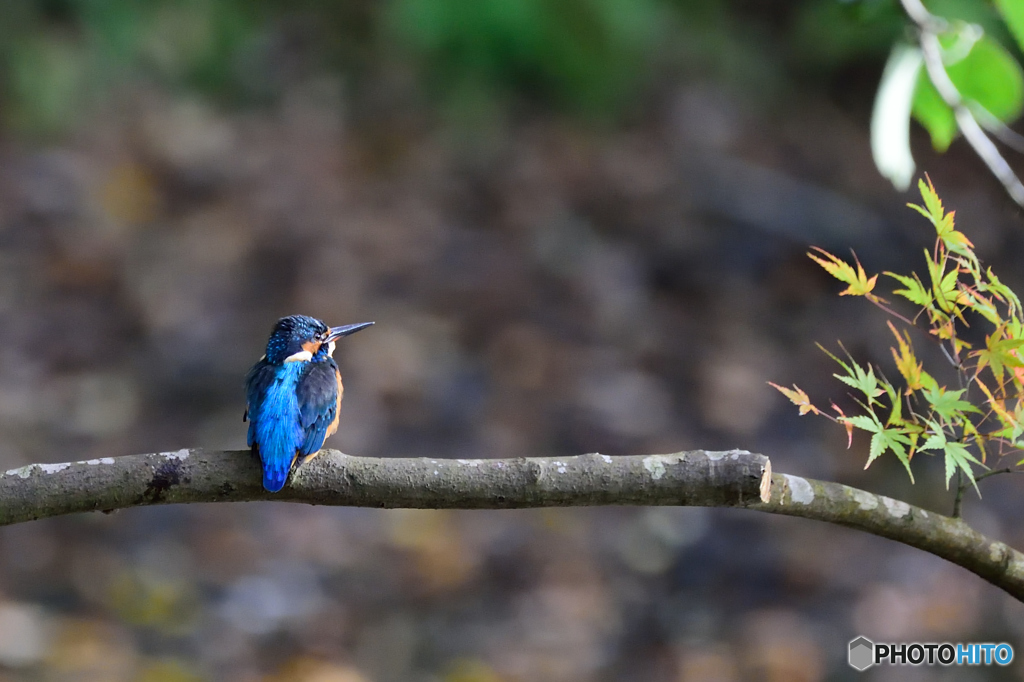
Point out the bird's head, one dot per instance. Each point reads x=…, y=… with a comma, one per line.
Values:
x=299, y=338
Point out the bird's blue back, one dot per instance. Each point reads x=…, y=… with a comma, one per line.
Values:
x=292, y=407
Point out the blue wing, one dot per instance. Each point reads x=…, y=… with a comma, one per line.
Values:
x=317, y=392
x=257, y=383
x=275, y=433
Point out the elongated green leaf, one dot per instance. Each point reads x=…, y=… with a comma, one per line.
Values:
x=990, y=76
x=1013, y=15
x=890, y=118
x=933, y=113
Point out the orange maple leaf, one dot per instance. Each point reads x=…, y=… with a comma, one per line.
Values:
x=798, y=397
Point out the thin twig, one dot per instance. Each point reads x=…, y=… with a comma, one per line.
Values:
x=1002, y=132
x=988, y=152
x=878, y=302
x=916, y=10
x=959, y=500
x=993, y=472
x=953, y=361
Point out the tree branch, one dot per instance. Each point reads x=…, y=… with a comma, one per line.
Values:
x=949, y=538
x=697, y=478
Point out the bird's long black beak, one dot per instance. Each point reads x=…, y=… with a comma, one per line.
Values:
x=338, y=332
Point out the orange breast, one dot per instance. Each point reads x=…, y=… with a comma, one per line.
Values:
x=333, y=427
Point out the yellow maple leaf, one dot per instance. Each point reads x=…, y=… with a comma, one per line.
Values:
x=906, y=362
x=859, y=283
x=799, y=398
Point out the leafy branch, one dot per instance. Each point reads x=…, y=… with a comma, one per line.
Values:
x=981, y=417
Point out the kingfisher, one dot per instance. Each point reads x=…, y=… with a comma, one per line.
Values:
x=293, y=395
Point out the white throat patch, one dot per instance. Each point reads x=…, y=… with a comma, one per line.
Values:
x=330, y=349
x=301, y=356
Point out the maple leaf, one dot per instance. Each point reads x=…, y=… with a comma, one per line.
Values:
x=932, y=209
x=883, y=439
x=1000, y=352
x=1002, y=292
x=952, y=240
x=798, y=397
x=859, y=283
x=948, y=404
x=957, y=456
x=982, y=305
x=908, y=364
x=864, y=380
x=915, y=291
x=956, y=242
x=998, y=406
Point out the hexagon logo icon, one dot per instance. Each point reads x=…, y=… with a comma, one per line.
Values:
x=862, y=654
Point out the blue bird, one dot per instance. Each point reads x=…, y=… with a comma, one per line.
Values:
x=293, y=394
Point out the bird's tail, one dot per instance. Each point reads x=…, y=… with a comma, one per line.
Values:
x=275, y=471
x=274, y=478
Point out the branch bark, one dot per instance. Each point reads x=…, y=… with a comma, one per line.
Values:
x=697, y=478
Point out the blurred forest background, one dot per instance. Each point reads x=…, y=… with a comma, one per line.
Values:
x=580, y=226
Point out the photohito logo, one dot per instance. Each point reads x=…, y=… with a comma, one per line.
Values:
x=863, y=653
